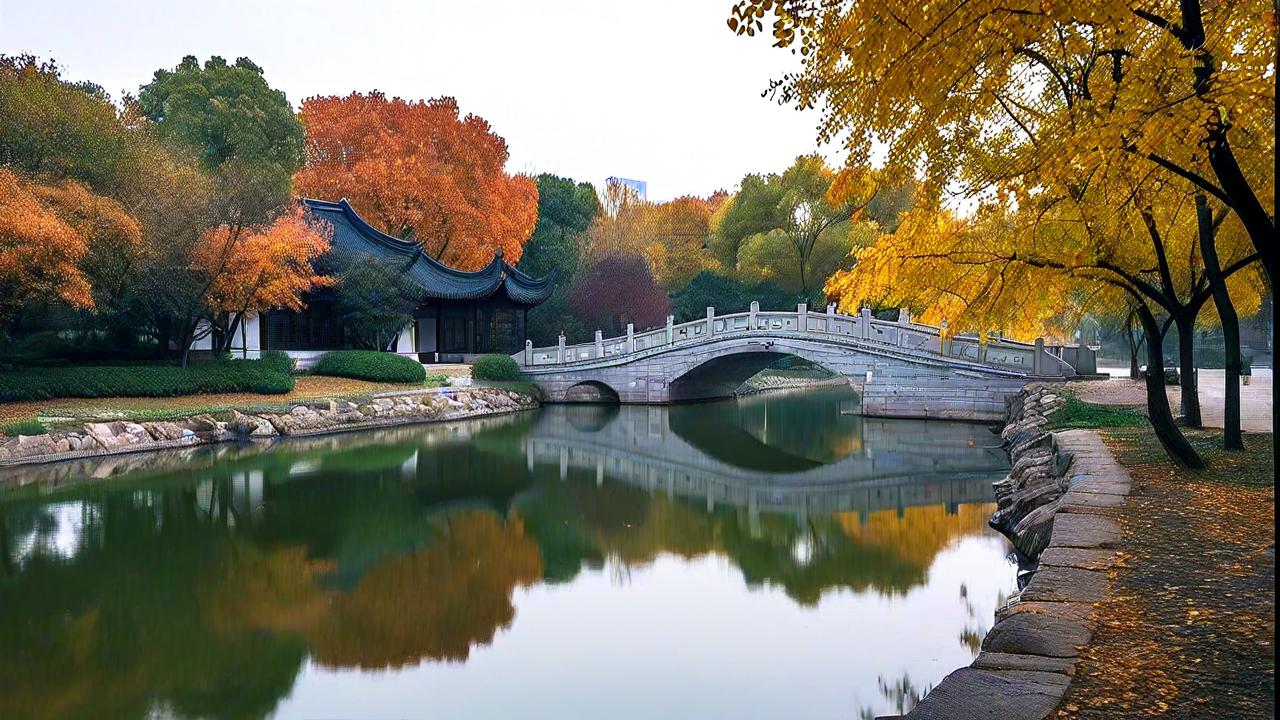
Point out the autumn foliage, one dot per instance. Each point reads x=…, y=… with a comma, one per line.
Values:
x=419, y=170
x=619, y=289
x=436, y=602
x=263, y=267
x=45, y=233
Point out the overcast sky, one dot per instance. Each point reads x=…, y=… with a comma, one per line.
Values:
x=657, y=90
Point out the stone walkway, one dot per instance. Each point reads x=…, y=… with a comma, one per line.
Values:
x=1188, y=628
x=1255, y=398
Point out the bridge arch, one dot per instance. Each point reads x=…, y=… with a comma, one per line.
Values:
x=723, y=372
x=591, y=391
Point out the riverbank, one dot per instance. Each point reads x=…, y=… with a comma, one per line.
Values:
x=74, y=440
x=1162, y=603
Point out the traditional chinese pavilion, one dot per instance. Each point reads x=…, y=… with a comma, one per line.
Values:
x=463, y=314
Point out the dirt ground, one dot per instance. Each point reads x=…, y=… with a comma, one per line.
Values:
x=1189, y=630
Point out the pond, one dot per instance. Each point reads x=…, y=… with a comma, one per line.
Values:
x=776, y=556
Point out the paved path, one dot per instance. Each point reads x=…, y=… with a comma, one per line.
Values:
x=1255, y=398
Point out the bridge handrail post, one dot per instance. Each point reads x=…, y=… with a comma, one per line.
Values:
x=528, y=353
x=866, y=323
x=711, y=321
x=831, y=317
x=1037, y=361
x=631, y=338
x=802, y=317
x=671, y=332
x=599, y=344
x=755, y=309
x=560, y=349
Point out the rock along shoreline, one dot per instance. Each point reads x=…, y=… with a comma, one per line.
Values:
x=115, y=437
x=1053, y=507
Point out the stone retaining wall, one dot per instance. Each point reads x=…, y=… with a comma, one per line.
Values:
x=1053, y=506
x=94, y=439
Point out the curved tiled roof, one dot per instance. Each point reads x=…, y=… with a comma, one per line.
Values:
x=352, y=234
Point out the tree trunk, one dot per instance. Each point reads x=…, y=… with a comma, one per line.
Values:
x=1135, y=345
x=1260, y=227
x=1190, y=387
x=1232, y=438
x=1158, y=410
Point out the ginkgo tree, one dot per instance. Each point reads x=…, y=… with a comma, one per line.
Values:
x=419, y=170
x=987, y=100
x=973, y=93
x=1010, y=265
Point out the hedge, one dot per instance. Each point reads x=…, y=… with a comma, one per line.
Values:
x=495, y=367
x=143, y=380
x=370, y=365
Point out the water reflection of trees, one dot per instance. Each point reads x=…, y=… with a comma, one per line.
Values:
x=434, y=603
x=202, y=591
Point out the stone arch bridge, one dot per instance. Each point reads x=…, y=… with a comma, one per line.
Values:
x=899, y=368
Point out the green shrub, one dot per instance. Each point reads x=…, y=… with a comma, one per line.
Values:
x=436, y=380
x=25, y=427
x=278, y=360
x=370, y=365
x=495, y=367
x=143, y=380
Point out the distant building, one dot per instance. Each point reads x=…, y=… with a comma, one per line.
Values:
x=639, y=186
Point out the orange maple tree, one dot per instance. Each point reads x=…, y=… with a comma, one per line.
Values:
x=45, y=233
x=418, y=170
x=260, y=267
x=113, y=238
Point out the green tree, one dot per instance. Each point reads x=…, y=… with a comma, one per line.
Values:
x=565, y=211
x=373, y=300
x=753, y=210
x=242, y=129
x=58, y=130
x=727, y=295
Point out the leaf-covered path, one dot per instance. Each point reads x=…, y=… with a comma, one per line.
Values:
x=1188, y=630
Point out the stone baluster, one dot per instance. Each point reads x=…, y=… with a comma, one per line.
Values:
x=671, y=331
x=755, y=309
x=631, y=338
x=904, y=316
x=711, y=322
x=802, y=317
x=528, y=353
x=866, y=323
x=599, y=344
x=1037, y=362
x=560, y=349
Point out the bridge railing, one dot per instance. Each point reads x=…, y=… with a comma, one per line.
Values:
x=903, y=335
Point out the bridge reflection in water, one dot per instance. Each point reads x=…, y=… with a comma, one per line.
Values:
x=217, y=582
x=758, y=454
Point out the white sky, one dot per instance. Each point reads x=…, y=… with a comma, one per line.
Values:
x=656, y=90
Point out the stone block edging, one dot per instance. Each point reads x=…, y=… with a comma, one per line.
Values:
x=1028, y=657
x=117, y=437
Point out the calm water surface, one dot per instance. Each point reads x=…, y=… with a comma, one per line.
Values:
x=773, y=557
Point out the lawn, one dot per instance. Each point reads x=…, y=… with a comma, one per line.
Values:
x=306, y=388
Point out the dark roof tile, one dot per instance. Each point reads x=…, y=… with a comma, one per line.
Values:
x=352, y=234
